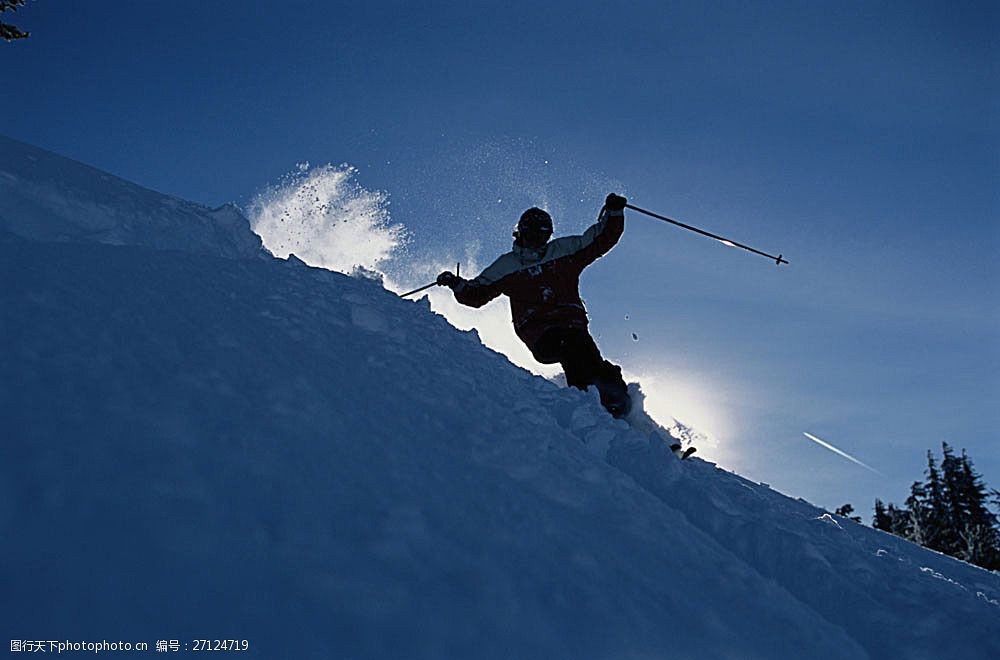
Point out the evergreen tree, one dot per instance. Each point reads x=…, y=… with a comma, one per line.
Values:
x=918, y=514
x=899, y=521
x=949, y=512
x=938, y=532
x=846, y=511
x=979, y=537
x=7, y=31
x=955, y=501
x=881, y=520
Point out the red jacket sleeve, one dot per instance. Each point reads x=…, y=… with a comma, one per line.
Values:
x=600, y=237
x=475, y=293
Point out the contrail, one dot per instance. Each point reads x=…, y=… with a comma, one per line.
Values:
x=837, y=451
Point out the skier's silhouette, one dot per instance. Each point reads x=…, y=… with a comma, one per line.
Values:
x=542, y=280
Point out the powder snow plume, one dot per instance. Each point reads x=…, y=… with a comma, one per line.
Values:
x=324, y=217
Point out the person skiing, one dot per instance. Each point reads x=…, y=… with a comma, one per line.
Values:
x=542, y=281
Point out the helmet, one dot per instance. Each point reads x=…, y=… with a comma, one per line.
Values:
x=533, y=229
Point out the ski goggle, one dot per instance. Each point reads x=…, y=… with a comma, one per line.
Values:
x=532, y=236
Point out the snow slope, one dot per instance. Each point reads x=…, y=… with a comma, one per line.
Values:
x=200, y=446
x=46, y=197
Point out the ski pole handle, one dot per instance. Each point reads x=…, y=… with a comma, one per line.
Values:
x=458, y=269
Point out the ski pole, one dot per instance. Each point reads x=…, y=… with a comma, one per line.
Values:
x=410, y=293
x=458, y=269
x=777, y=259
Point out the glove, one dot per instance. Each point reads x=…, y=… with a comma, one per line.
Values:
x=447, y=278
x=615, y=202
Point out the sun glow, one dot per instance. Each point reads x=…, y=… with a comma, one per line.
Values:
x=677, y=398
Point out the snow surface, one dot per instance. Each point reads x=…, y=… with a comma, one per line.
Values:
x=202, y=443
x=46, y=197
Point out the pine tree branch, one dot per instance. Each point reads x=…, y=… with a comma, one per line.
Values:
x=10, y=32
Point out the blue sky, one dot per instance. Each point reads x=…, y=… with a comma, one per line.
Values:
x=858, y=139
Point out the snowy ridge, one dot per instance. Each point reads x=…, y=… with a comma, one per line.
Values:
x=255, y=449
x=51, y=198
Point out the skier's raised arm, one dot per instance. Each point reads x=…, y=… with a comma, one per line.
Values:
x=603, y=234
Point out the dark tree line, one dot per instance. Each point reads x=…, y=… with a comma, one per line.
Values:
x=948, y=511
x=10, y=32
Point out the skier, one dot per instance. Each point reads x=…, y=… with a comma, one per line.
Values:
x=542, y=280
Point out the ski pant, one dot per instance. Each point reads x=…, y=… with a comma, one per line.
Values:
x=581, y=360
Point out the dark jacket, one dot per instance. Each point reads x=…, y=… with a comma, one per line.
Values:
x=544, y=285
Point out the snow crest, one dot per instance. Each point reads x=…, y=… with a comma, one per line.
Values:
x=47, y=197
